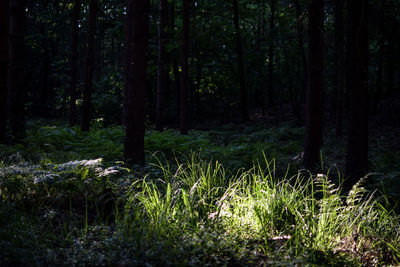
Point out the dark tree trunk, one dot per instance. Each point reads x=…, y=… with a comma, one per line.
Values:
x=391, y=38
x=239, y=52
x=339, y=62
x=74, y=64
x=128, y=40
x=300, y=44
x=177, y=78
x=16, y=72
x=183, y=127
x=271, y=97
x=314, y=88
x=4, y=9
x=357, y=140
x=390, y=58
x=137, y=35
x=88, y=89
x=259, y=95
x=381, y=55
x=162, y=72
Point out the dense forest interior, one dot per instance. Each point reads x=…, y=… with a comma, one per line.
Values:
x=199, y=132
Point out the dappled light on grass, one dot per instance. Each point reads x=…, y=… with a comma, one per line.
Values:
x=298, y=216
x=77, y=202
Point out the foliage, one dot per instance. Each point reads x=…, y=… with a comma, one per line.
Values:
x=63, y=205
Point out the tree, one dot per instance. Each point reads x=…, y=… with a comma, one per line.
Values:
x=239, y=52
x=162, y=71
x=313, y=139
x=87, y=92
x=357, y=53
x=183, y=127
x=339, y=63
x=303, y=66
x=381, y=54
x=271, y=98
x=16, y=73
x=259, y=91
x=74, y=63
x=137, y=34
x=4, y=7
x=391, y=34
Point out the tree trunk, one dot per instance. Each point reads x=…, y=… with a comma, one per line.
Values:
x=381, y=55
x=16, y=72
x=137, y=35
x=4, y=9
x=357, y=140
x=271, y=98
x=74, y=64
x=314, y=87
x=162, y=73
x=390, y=57
x=239, y=52
x=177, y=79
x=183, y=127
x=339, y=62
x=87, y=92
x=259, y=94
x=298, y=109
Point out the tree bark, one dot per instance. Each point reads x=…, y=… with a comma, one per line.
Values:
x=271, y=97
x=381, y=55
x=16, y=72
x=239, y=52
x=390, y=54
x=339, y=62
x=259, y=94
x=88, y=89
x=183, y=127
x=137, y=35
x=357, y=140
x=74, y=64
x=177, y=79
x=162, y=72
x=314, y=87
x=4, y=9
x=298, y=109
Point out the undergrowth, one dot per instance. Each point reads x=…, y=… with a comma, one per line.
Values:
x=68, y=199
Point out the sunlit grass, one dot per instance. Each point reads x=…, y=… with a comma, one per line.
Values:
x=70, y=206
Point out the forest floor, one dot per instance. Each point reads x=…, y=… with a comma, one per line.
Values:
x=233, y=196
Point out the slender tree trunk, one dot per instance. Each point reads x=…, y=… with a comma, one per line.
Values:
x=162, y=72
x=302, y=52
x=177, y=78
x=16, y=72
x=390, y=59
x=391, y=37
x=74, y=64
x=357, y=140
x=239, y=52
x=259, y=95
x=339, y=62
x=381, y=55
x=185, y=70
x=4, y=9
x=137, y=35
x=314, y=88
x=88, y=89
x=128, y=40
x=271, y=97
